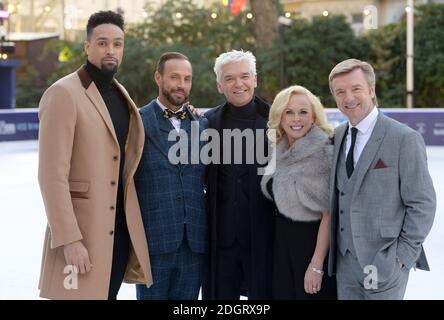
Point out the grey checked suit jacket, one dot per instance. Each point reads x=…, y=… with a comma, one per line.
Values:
x=393, y=207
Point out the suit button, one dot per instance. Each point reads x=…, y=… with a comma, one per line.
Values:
x=238, y=180
x=115, y=158
x=342, y=229
x=111, y=232
x=342, y=211
x=179, y=198
x=342, y=193
x=113, y=183
x=111, y=208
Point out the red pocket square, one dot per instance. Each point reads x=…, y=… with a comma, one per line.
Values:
x=380, y=164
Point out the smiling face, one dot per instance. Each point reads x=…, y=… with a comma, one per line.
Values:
x=104, y=47
x=353, y=95
x=174, y=83
x=297, y=117
x=237, y=83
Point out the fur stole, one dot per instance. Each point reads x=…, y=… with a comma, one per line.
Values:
x=301, y=176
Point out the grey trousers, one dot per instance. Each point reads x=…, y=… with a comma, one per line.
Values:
x=353, y=283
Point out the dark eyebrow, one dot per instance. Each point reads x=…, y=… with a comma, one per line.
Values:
x=105, y=38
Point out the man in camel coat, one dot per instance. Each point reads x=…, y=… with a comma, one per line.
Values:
x=90, y=143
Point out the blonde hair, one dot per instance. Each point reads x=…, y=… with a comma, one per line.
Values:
x=348, y=66
x=280, y=103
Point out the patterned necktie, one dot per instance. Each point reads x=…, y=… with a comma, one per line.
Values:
x=349, y=162
x=167, y=113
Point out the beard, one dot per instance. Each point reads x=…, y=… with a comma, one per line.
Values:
x=175, y=102
x=109, y=70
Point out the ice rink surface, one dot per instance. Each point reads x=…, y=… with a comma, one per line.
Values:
x=23, y=222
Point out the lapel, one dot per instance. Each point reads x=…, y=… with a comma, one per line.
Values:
x=370, y=150
x=262, y=110
x=152, y=118
x=135, y=138
x=164, y=124
x=261, y=122
x=340, y=133
x=186, y=124
x=93, y=94
x=218, y=114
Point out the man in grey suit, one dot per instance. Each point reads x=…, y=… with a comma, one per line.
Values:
x=382, y=200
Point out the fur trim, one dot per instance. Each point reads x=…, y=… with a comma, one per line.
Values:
x=301, y=176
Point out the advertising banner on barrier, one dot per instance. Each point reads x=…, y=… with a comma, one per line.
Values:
x=23, y=124
x=19, y=124
x=429, y=124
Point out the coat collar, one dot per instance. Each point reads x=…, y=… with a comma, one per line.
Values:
x=84, y=76
x=135, y=137
x=94, y=95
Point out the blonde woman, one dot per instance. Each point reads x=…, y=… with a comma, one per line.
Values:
x=298, y=185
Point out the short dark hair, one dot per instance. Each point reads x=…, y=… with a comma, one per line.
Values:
x=103, y=17
x=169, y=56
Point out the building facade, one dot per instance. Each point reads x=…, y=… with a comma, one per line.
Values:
x=356, y=11
x=67, y=17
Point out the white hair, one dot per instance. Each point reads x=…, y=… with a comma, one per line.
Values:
x=234, y=56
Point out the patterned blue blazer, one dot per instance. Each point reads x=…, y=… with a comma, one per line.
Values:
x=171, y=196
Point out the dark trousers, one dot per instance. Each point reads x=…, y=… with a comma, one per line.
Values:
x=294, y=246
x=232, y=272
x=120, y=256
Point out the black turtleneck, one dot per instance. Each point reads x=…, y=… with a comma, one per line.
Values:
x=240, y=118
x=233, y=181
x=116, y=104
x=246, y=113
x=118, y=110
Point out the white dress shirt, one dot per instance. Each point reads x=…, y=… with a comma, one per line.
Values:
x=365, y=129
x=174, y=120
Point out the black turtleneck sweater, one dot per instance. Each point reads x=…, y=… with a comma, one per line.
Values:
x=233, y=181
x=116, y=104
x=118, y=110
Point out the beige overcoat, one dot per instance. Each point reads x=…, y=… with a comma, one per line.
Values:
x=78, y=173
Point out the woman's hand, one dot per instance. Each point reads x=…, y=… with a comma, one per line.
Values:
x=313, y=280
